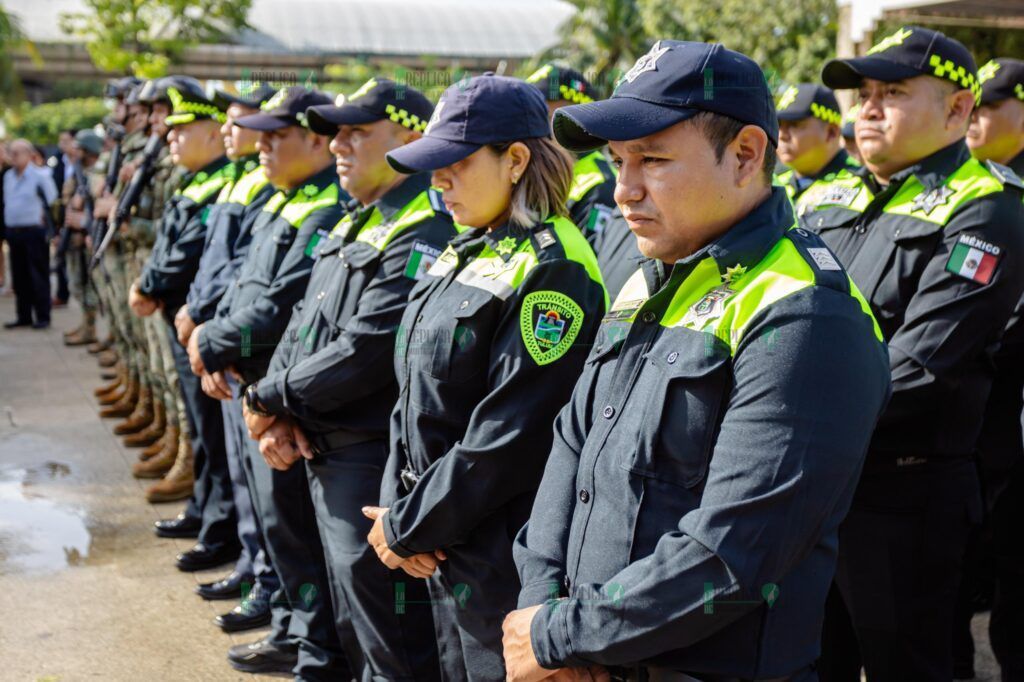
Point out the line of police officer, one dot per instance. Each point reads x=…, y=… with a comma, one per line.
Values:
x=755, y=382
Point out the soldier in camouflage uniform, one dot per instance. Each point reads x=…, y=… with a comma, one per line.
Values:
x=76, y=196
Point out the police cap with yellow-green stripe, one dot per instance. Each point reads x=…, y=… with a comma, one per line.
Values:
x=562, y=84
x=286, y=108
x=378, y=99
x=808, y=100
x=1002, y=79
x=189, y=101
x=909, y=52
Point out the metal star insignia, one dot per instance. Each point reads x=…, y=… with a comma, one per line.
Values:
x=927, y=201
x=506, y=246
x=733, y=274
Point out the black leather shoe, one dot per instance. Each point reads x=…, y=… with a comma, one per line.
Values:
x=181, y=526
x=41, y=324
x=14, y=324
x=226, y=588
x=262, y=657
x=253, y=612
x=201, y=557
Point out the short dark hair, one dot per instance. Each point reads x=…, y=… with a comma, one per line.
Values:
x=70, y=131
x=719, y=130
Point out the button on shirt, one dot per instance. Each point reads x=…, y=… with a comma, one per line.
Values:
x=23, y=205
x=488, y=350
x=708, y=454
x=334, y=367
x=252, y=314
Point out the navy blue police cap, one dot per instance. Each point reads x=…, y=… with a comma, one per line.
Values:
x=673, y=82
x=378, y=99
x=1001, y=79
x=483, y=110
x=286, y=108
x=808, y=100
x=909, y=52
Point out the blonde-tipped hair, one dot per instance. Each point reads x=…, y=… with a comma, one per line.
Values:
x=543, y=189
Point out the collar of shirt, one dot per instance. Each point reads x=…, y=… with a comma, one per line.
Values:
x=933, y=170
x=320, y=180
x=1017, y=164
x=750, y=239
x=399, y=196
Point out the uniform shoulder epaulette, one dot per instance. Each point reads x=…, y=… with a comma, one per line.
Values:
x=435, y=201
x=1005, y=174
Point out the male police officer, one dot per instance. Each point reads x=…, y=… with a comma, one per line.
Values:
x=331, y=384
x=996, y=134
x=688, y=513
x=591, y=199
x=248, y=325
x=227, y=242
x=809, y=141
x=932, y=237
x=163, y=284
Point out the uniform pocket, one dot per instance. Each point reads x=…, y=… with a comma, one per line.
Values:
x=459, y=343
x=679, y=399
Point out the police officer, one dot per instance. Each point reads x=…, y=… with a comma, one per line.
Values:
x=239, y=340
x=809, y=141
x=996, y=134
x=849, y=139
x=686, y=522
x=228, y=236
x=490, y=345
x=163, y=284
x=932, y=237
x=330, y=386
x=591, y=199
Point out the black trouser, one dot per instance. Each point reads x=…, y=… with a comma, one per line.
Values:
x=30, y=272
x=285, y=510
x=1006, y=627
x=471, y=593
x=901, y=550
x=212, y=498
x=382, y=616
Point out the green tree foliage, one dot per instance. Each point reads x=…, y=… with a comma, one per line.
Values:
x=11, y=38
x=790, y=40
x=145, y=37
x=42, y=123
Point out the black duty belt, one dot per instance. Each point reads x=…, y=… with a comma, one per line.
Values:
x=336, y=440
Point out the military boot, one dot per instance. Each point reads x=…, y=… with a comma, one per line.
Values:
x=126, y=405
x=169, y=439
x=107, y=358
x=114, y=387
x=178, y=483
x=85, y=334
x=141, y=416
x=100, y=346
x=153, y=432
x=159, y=464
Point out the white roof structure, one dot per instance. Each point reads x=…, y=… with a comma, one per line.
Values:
x=442, y=28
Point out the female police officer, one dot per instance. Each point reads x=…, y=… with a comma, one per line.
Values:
x=489, y=348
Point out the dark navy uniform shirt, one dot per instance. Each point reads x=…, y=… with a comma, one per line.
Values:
x=488, y=350
x=253, y=314
x=228, y=236
x=939, y=254
x=689, y=510
x=172, y=265
x=334, y=368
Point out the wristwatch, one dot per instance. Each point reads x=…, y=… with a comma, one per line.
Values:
x=252, y=401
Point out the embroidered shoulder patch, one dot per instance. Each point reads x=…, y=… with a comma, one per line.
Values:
x=823, y=258
x=549, y=322
x=974, y=259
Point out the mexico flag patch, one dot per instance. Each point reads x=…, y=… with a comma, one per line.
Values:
x=974, y=259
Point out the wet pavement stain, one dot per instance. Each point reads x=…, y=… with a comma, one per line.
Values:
x=38, y=535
